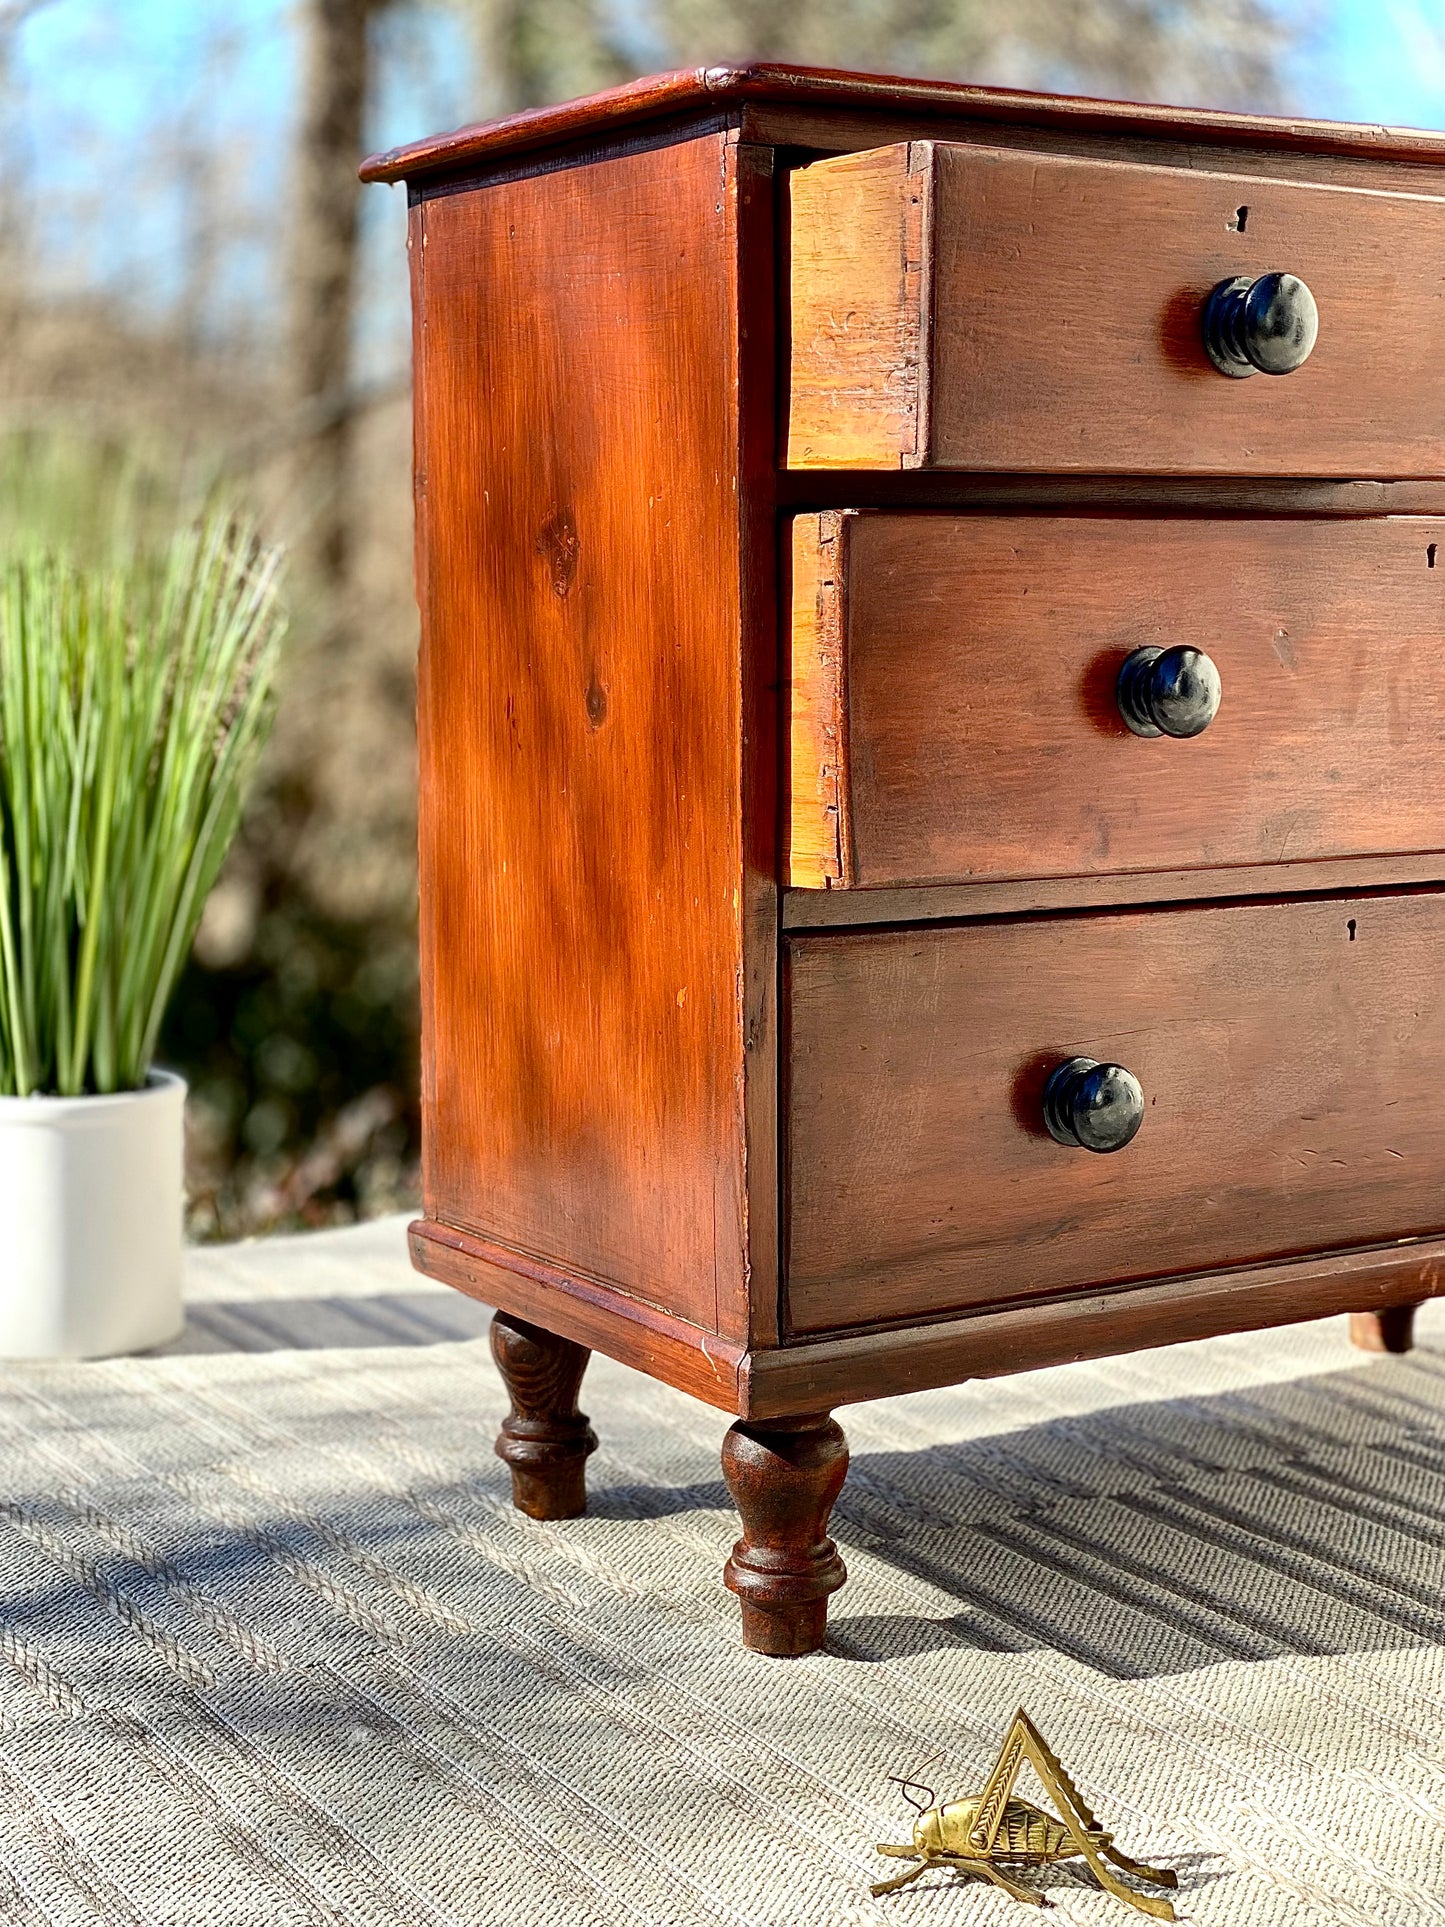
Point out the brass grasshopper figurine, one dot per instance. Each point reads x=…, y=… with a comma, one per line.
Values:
x=975, y=1834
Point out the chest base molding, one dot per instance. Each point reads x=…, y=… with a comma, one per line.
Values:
x=849, y=1367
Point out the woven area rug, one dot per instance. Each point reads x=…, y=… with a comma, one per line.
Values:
x=274, y=1648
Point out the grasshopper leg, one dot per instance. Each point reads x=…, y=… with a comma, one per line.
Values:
x=1146, y=1903
x=1160, y=1876
x=992, y=1873
x=900, y=1879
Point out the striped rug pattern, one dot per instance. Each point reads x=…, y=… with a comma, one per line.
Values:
x=275, y=1649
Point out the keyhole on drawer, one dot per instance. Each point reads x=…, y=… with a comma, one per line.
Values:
x=1350, y=926
x=1430, y=556
x=1238, y=221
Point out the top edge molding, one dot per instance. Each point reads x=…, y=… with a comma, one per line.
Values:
x=693, y=89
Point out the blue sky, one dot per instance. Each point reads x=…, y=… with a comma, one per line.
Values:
x=113, y=59
x=118, y=93
x=1377, y=60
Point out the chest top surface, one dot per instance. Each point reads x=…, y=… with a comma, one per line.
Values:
x=732, y=92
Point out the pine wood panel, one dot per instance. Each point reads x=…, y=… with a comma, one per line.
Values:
x=1060, y=306
x=580, y=723
x=818, y=849
x=982, y=735
x=1291, y=1056
x=859, y=311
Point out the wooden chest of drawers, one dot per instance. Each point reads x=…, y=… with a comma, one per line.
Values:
x=932, y=823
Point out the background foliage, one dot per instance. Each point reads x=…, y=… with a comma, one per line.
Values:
x=268, y=348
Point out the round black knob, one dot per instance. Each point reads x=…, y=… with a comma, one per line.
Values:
x=1270, y=325
x=1168, y=692
x=1098, y=1107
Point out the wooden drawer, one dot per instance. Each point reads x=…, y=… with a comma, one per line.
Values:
x=954, y=713
x=976, y=308
x=1291, y=1055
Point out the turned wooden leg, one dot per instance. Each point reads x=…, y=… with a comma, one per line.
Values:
x=784, y=1477
x=1384, y=1331
x=544, y=1438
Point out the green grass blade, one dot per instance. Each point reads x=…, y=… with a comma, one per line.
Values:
x=135, y=699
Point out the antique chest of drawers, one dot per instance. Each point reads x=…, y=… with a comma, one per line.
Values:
x=932, y=748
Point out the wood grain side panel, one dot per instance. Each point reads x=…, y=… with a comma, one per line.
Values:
x=415, y=253
x=827, y=1372
x=985, y=739
x=589, y=1313
x=748, y=1305
x=1291, y=1055
x=858, y=311
x=818, y=833
x=1066, y=327
x=581, y=865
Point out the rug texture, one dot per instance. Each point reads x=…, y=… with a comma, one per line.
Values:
x=275, y=1649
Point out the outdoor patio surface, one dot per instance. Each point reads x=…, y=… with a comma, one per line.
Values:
x=275, y=1649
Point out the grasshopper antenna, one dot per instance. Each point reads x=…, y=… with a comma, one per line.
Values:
x=919, y=1806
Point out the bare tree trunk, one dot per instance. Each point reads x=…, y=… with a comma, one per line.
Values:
x=322, y=286
x=14, y=198
x=498, y=33
x=528, y=52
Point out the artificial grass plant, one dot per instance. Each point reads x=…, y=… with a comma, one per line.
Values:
x=135, y=698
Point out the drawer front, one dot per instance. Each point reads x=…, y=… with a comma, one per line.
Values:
x=954, y=706
x=1292, y=1063
x=977, y=308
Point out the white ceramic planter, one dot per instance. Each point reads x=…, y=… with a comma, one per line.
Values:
x=90, y=1222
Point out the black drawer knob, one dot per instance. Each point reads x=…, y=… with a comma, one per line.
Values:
x=1168, y=692
x=1098, y=1107
x=1269, y=325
